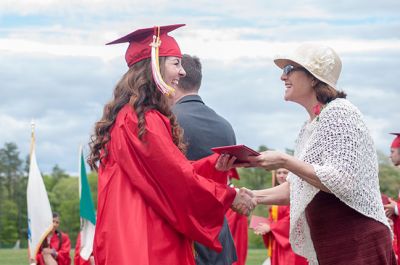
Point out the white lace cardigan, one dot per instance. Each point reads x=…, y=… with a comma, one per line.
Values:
x=340, y=149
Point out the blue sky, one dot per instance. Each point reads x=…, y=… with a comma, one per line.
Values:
x=56, y=70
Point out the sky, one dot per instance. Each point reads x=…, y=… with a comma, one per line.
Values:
x=56, y=70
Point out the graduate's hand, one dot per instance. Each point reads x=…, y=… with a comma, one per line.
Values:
x=32, y=261
x=243, y=202
x=225, y=162
x=262, y=229
x=251, y=193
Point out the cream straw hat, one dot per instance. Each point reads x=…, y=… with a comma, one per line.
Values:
x=321, y=61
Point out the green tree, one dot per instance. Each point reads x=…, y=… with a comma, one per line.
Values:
x=389, y=180
x=8, y=224
x=389, y=176
x=12, y=192
x=55, y=176
x=92, y=179
x=10, y=168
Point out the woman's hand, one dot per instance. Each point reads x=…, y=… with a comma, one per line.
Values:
x=262, y=229
x=269, y=160
x=225, y=162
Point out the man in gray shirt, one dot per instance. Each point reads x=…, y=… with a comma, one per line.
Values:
x=203, y=129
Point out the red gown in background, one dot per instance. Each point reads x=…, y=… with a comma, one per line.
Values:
x=277, y=240
x=152, y=202
x=396, y=239
x=396, y=227
x=238, y=224
x=62, y=249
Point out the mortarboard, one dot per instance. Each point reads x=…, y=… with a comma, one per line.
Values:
x=151, y=43
x=140, y=40
x=396, y=141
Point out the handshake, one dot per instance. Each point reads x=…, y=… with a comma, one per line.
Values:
x=244, y=202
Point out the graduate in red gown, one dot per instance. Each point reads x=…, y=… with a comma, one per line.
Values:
x=276, y=232
x=391, y=211
x=153, y=202
x=55, y=249
x=391, y=206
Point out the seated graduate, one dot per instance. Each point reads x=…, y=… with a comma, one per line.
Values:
x=56, y=247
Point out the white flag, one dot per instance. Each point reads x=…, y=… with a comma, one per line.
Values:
x=40, y=217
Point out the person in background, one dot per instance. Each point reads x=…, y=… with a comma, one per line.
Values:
x=56, y=247
x=203, y=129
x=333, y=180
x=153, y=202
x=275, y=233
x=395, y=150
x=392, y=206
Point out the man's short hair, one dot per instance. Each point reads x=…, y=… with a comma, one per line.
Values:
x=55, y=215
x=192, y=80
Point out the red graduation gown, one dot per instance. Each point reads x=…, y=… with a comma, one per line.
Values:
x=238, y=225
x=278, y=238
x=63, y=257
x=151, y=201
x=396, y=227
x=396, y=231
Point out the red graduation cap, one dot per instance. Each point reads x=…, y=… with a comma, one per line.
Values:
x=140, y=40
x=396, y=141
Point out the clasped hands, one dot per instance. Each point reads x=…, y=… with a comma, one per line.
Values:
x=244, y=202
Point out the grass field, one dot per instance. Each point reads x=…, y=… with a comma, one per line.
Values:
x=20, y=257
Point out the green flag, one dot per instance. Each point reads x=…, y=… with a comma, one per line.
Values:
x=86, y=202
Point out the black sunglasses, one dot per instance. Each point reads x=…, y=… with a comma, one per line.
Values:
x=289, y=68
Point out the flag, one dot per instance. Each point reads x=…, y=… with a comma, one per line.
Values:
x=40, y=217
x=87, y=214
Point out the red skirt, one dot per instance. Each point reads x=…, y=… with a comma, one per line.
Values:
x=343, y=236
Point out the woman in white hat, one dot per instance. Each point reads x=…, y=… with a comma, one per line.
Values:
x=336, y=211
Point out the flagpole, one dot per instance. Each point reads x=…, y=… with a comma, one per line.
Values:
x=79, y=168
x=32, y=138
x=31, y=259
x=80, y=184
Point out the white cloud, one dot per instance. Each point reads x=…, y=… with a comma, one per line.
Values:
x=227, y=49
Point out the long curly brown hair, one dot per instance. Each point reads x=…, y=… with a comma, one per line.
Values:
x=138, y=89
